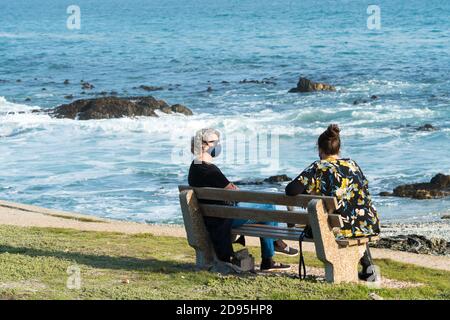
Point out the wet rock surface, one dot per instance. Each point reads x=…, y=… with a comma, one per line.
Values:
x=306, y=85
x=427, y=127
x=438, y=187
x=150, y=88
x=277, y=179
x=415, y=243
x=115, y=107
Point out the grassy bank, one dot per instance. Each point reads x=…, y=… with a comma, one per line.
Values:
x=34, y=263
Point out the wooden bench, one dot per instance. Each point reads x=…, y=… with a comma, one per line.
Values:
x=340, y=257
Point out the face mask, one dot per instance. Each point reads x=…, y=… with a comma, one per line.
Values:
x=215, y=150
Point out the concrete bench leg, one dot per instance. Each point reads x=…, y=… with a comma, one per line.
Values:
x=341, y=263
x=197, y=235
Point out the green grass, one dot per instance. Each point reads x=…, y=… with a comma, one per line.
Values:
x=34, y=263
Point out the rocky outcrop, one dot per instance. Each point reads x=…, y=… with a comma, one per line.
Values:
x=363, y=100
x=306, y=85
x=415, y=243
x=438, y=187
x=115, y=107
x=271, y=180
x=427, y=127
x=150, y=88
x=263, y=81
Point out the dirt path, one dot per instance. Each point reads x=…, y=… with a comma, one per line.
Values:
x=15, y=214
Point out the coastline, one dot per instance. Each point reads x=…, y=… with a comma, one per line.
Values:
x=22, y=215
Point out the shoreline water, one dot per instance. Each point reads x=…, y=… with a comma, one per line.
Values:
x=22, y=215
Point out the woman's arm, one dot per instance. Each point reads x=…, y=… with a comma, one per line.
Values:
x=295, y=187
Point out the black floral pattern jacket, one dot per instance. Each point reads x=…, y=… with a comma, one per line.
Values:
x=343, y=179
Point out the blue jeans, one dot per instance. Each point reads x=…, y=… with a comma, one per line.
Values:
x=267, y=244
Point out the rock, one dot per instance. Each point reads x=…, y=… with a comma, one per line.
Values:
x=386, y=194
x=210, y=89
x=114, y=107
x=179, y=108
x=150, y=88
x=263, y=81
x=278, y=179
x=360, y=101
x=427, y=127
x=306, y=85
x=438, y=187
x=66, y=82
x=18, y=80
x=44, y=89
x=28, y=99
x=271, y=180
x=374, y=97
x=87, y=85
x=415, y=243
x=68, y=97
x=447, y=216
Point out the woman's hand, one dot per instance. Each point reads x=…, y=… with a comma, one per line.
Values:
x=231, y=186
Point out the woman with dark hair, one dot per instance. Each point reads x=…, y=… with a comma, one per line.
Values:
x=341, y=178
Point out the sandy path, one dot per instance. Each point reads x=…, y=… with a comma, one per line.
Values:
x=15, y=214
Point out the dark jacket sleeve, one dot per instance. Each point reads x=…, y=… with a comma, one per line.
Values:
x=295, y=187
x=304, y=180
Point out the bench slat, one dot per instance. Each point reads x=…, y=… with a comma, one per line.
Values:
x=260, y=197
x=260, y=215
x=263, y=215
x=261, y=231
x=357, y=241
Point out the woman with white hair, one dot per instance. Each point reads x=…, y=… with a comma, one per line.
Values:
x=203, y=173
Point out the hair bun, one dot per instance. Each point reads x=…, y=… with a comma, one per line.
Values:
x=333, y=130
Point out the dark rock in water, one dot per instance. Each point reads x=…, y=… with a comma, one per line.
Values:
x=427, y=127
x=87, y=85
x=150, y=88
x=66, y=81
x=210, y=89
x=386, y=194
x=360, y=101
x=447, y=216
x=179, y=108
x=44, y=89
x=306, y=85
x=68, y=97
x=18, y=80
x=263, y=81
x=271, y=180
x=363, y=100
x=225, y=82
x=114, y=107
x=278, y=179
x=438, y=187
x=415, y=243
x=114, y=93
x=28, y=99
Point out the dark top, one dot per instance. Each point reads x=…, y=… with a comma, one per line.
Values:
x=208, y=175
x=343, y=179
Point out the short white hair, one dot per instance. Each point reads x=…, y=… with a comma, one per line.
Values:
x=201, y=136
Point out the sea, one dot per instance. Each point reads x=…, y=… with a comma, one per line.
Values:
x=129, y=168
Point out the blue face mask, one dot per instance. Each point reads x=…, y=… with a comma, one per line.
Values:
x=215, y=150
